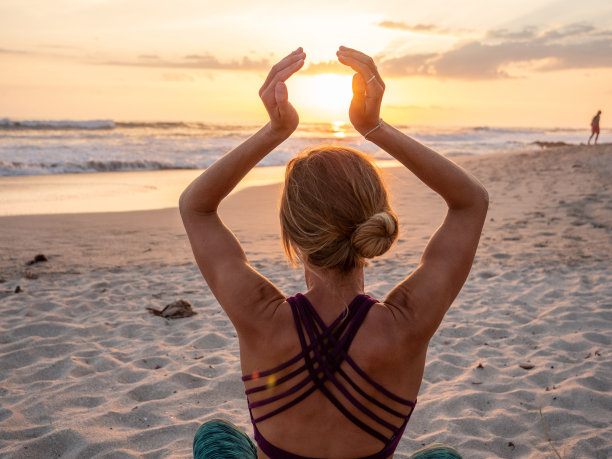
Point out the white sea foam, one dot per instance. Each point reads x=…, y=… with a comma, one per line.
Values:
x=63, y=124
x=30, y=147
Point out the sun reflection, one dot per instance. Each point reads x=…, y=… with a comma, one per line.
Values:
x=337, y=127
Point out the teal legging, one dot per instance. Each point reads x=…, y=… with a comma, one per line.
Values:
x=436, y=451
x=220, y=439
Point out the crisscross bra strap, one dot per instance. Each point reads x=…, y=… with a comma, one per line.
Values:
x=330, y=354
x=324, y=349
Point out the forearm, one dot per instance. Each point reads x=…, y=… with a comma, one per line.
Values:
x=205, y=193
x=458, y=188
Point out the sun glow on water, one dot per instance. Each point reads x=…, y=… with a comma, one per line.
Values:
x=338, y=129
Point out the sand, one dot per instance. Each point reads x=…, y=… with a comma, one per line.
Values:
x=521, y=367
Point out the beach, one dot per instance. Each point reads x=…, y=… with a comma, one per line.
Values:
x=521, y=366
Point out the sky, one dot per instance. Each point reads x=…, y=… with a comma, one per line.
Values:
x=515, y=63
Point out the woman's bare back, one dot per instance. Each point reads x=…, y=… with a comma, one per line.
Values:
x=312, y=427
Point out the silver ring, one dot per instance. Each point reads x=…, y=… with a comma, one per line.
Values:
x=373, y=77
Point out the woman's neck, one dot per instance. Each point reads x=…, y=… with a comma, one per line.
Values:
x=330, y=291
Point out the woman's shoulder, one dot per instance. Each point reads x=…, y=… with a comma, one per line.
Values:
x=399, y=318
x=271, y=343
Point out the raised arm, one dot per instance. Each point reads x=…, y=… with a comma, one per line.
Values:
x=425, y=296
x=245, y=295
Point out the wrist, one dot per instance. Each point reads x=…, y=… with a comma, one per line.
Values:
x=278, y=135
x=369, y=132
x=377, y=132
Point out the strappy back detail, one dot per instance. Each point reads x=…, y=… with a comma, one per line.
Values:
x=324, y=349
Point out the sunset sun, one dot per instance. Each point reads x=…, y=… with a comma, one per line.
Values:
x=325, y=94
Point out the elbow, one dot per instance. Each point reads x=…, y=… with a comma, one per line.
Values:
x=481, y=200
x=182, y=203
x=484, y=194
x=481, y=204
x=190, y=207
x=475, y=199
x=185, y=205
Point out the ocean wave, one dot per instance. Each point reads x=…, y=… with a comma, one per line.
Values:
x=185, y=125
x=191, y=127
x=6, y=123
x=19, y=168
x=59, y=147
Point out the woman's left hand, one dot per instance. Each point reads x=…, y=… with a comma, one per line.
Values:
x=283, y=116
x=368, y=89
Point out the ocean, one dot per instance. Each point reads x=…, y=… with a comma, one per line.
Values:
x=38, y=147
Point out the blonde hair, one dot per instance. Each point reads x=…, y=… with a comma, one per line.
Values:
x=335, y=210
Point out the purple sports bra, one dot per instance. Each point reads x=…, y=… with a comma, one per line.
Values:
x=324, y=348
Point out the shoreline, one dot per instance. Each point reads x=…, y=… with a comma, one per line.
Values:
x=122, y=191
x=130, y=191
x=87, y=372
x=126, y=191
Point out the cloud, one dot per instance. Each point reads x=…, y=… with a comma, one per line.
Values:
x=315, y=68
x=194, y=61
x=531, y=33
x=425, y=29
x=410, y=64
x=526, y=34
x=567, y=31
x=12, y=51
x=432, y=28
x=571, y=46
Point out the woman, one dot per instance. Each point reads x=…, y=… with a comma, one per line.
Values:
x=331, y=373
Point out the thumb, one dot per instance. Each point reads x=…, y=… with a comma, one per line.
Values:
x=359, y=86
x=282, y=97
x=358, y=100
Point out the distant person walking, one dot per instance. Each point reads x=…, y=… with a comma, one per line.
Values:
x=595, y=128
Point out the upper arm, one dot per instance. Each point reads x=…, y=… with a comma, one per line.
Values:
x=246, y=296
x=425, y=296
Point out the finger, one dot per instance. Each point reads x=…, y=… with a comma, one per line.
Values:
x=284, y=74
x=374, y=88
x=267, y=93
x=281, y=75
x=359, y=86
x=282, y=99
x=268, y=96
x=280, y=93
x=363, y=58
x=359, y=94
x=357, y=54
x=282, y=64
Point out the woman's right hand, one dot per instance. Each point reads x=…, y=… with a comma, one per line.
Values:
x=368, y=89
x=283, y=116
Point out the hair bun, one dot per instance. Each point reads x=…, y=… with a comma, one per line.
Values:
x=376, y=235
